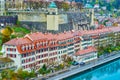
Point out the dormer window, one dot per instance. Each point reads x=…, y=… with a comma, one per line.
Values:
x=37, y=44
x=43, y=43
x=46, y=43
x=59, y=42
x=26, y=47
x=53, y=42
x=23, y=48
x=32, y=46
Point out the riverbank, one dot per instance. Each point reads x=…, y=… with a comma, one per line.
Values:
x=79, y=69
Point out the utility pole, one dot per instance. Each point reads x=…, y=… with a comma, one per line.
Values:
x=2, y=7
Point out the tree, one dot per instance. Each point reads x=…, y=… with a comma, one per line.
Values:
x=44, y=70
x=6, y=33
x=22, y=75
x=44, y=67
x=65, y=6
x=8, y=75
x=32, y=74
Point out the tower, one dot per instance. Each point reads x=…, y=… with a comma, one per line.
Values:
x=90, y=10
x=52, y=17
x=2, y=7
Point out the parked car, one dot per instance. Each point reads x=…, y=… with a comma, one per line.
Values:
x=75, y=63
x=82, y=63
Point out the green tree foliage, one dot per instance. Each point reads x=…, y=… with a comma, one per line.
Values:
x=8, y=75
x=22, y=74
x=6, y=33
x=105, y=50
x=32, y=74
x=44, y=70
x=65, y=6
x=19, y=75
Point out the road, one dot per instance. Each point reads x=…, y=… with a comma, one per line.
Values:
x=78, y=69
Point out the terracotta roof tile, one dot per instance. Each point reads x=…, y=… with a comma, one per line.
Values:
x=33, y=38
x=18, y=41
x=85, y=51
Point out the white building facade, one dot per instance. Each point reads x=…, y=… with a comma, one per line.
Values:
x=36, y=49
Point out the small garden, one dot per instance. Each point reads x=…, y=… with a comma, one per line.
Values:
x=107, y=50
x=54, y=67
x=44, y=70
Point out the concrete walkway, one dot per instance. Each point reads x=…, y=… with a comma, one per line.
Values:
x=77, y=69
x=100, y=61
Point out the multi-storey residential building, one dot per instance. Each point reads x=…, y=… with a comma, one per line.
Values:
x=86, y=55
x=36, y=49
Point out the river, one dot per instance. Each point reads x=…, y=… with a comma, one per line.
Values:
x=109, y=71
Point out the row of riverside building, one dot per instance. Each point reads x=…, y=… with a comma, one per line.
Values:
x=36, y=49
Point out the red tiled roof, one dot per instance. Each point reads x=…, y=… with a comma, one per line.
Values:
x=65, y=35
x=19, y=41
x=100, y=26
x=85, y=51
x=115, y=29
x=33, y=38
x=36, y=36
x=97, y=31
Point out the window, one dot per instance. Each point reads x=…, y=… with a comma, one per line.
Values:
x=23, y=48
x=11, y=55
x=32, y=46
x=11, y=49
x=23, y=67
x=23, y=61
x=26, y=47
x=33, y=59
x=37, y=45
x=3, y=65
x=24, y=55
x=27, y=66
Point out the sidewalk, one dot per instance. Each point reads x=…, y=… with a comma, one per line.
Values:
x=76, y=69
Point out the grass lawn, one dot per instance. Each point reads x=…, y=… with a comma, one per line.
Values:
x=19, y=32
x=21, y=29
